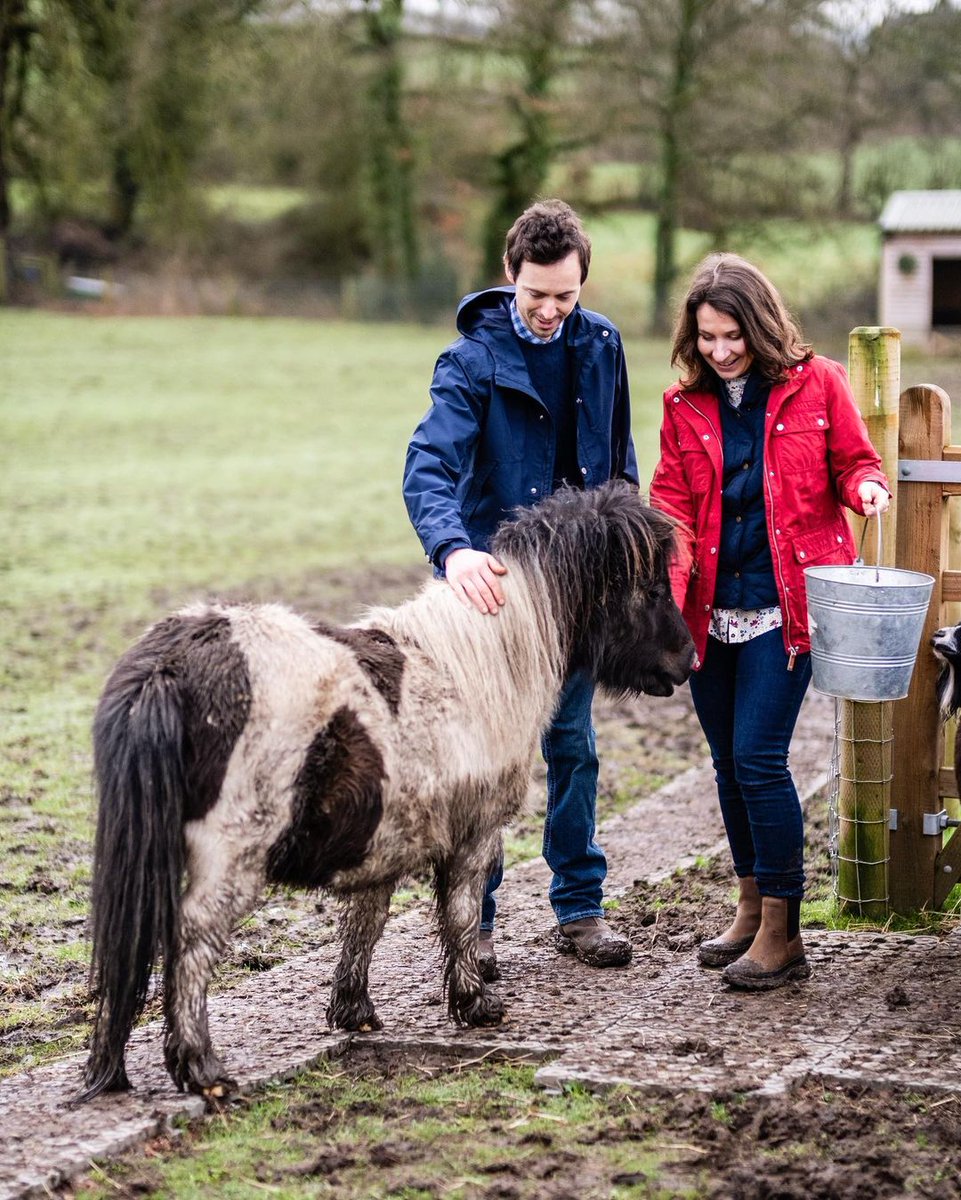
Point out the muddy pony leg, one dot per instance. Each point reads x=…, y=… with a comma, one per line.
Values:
x=210, y=910
x=362, y=923
x=459, y=884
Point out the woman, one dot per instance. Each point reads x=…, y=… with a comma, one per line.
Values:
x=761, y=446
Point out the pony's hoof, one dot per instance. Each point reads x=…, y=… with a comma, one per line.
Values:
x=364, y=1020
x=485, y=1010
x=217, y=1091
x=212, y=1088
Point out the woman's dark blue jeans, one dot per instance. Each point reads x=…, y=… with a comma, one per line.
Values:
x=748, y=702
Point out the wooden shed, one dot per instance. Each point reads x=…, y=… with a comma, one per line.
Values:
x=920, y=288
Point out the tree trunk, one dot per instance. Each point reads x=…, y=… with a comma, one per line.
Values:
x=852, y=133
x=125, y=193
x=674, y=112
x=13, y=31
x=521, y=169
x=519, y=174
x=395, y=235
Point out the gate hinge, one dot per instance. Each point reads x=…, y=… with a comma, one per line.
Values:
x=935, y=823
x=893, y=820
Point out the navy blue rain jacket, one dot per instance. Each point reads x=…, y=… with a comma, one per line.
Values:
x=486, y=445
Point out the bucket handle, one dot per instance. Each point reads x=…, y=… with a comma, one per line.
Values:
x=859, y=561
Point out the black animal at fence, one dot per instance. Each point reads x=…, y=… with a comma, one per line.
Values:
x=241, y=746
x=946, y=644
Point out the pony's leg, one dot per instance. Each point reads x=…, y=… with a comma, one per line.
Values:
x=362, y=923
x=459, y=884
x=211, y=907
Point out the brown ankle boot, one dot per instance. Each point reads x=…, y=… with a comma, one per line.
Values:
x=738, y=937
x=594, y=943
x=775, y=958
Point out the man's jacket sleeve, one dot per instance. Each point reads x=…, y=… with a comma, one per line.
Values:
x=623, y=458
x=441, y=455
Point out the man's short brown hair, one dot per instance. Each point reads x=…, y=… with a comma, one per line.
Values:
x=545, y=233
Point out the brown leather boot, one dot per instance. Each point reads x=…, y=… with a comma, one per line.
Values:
x=594, y=943
x=775, y=958
x=739, y=935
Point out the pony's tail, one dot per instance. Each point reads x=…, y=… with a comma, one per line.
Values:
x=141, y=778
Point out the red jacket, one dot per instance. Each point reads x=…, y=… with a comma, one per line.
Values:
x=816, y=455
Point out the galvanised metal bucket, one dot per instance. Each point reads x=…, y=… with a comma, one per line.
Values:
x=866, y=624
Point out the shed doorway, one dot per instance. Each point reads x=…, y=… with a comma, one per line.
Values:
x=946, y=292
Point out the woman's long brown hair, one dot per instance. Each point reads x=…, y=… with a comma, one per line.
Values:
x=734, y=287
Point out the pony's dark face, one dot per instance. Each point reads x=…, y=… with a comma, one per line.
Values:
x=638, y=641
x=602, y=556
x=946, y=644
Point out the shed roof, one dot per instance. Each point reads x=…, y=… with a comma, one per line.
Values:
x=922, y=212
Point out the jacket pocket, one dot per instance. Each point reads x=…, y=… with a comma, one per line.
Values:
x=824, y=545
x=695, y=461
x=799, y=437
x=475, y=492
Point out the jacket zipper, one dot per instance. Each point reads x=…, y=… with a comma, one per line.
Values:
x=792, y=650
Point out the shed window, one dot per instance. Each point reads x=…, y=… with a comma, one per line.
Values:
x=946, y=291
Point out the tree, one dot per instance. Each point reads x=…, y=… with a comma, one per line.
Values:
x=918, y=70
x=152, y=57
x=395, y=240
x=708, y=91
x=852, y=27
x=16, y=31
x=535, y=34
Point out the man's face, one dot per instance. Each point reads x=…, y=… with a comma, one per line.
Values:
x=546, y=293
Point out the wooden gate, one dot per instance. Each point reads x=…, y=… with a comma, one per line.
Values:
x=925, y=854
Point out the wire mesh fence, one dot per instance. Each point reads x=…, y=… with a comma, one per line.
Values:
x=859, y=806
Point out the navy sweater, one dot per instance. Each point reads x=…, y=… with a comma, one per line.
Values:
x=549, y=368
x=745, y=576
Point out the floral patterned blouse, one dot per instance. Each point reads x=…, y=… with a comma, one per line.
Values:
x=735, y=625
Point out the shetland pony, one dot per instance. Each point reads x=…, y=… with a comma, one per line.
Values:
x=946, y=644
x=241, y=746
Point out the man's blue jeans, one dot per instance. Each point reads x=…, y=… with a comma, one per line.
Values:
x=748, y=702
x=577, y=861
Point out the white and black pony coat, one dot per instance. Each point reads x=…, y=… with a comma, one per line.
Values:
x=946, y=644
x=240, y=746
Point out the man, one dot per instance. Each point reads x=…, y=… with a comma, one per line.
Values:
x=532, y=396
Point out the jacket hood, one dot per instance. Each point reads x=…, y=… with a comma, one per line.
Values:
x=490, y=310
x=480, y=308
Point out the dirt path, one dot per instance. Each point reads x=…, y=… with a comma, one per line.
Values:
x=879, y=1009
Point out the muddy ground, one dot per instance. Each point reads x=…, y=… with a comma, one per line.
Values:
x=718, y=1085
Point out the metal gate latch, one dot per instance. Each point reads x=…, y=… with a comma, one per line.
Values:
x=934, y=823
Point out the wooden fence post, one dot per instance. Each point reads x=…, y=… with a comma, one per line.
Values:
x=865, y=730
x=874, y=366
x=923, y=536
